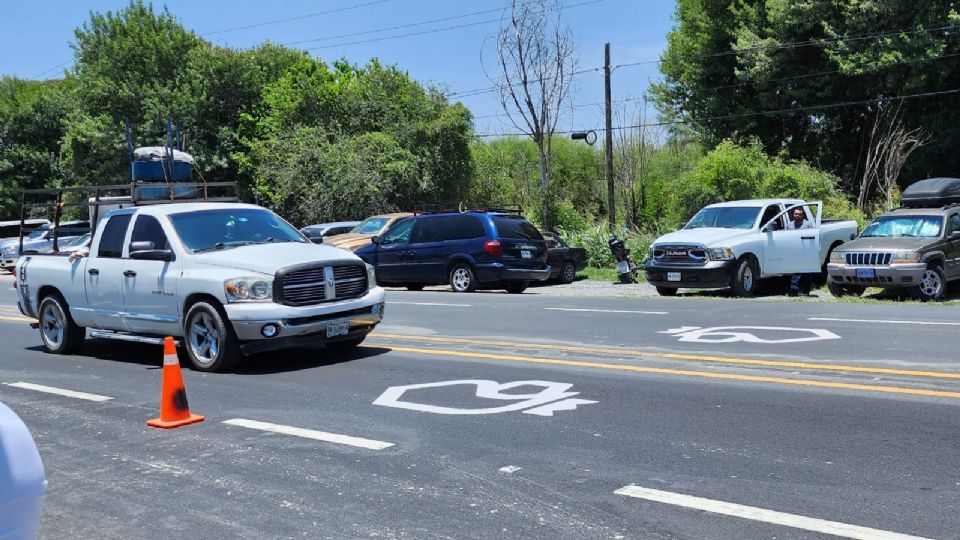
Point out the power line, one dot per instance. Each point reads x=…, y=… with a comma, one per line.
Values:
x=60, y=65
x=420, y=33
x=806, y=43
x=754, y=113
x=430, y=31
x=297, y=18
x=798, y=44
x=399, y=27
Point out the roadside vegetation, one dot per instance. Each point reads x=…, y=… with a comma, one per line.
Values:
x=324, y=140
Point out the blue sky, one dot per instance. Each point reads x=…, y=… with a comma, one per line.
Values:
x=35, y=38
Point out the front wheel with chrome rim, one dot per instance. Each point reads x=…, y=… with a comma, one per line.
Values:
x=462, y=278
x=744, y=280
x=932, y=285
x=210, y=342
x=60, y=335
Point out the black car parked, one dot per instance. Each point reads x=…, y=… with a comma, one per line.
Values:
x=467, y=250
x=564, y=261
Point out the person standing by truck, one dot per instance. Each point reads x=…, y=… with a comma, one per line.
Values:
x=799, y=221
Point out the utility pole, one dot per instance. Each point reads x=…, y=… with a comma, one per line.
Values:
x=608, y=147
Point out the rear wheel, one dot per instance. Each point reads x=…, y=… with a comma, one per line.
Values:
x=667, y=291
x=210, y=342
x=516, y=287
x=744, y=280
x=462, y=278
x=60, y=335
x=932, y=285
x=568, y=272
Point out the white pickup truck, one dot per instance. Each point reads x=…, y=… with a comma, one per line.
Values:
x=225, y=279
x=735, y=244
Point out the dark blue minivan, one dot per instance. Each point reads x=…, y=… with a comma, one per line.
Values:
x=465, y=249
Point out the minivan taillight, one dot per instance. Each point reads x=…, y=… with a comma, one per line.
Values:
x=493, y=247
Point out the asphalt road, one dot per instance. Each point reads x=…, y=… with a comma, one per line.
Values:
x=829, y=420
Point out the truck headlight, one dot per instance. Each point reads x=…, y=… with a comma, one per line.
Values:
x=720, y=254
x=371, y=276
x=837, y=257
x=905, y=257
x=248, y=289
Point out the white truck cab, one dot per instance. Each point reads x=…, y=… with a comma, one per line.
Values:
x=735, y=244
x=226, y=279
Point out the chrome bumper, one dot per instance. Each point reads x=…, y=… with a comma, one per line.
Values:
x=898, y=275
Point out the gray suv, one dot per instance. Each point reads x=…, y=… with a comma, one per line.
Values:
x=915, y=248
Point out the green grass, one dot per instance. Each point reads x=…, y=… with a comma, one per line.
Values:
x=608, y=275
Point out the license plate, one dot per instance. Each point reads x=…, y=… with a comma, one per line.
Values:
x=524, y=254
x=673, y=276
x=866, y=273
x=623, y=267
x=338, y=328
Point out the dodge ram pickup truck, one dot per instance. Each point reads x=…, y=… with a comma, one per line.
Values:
x=735, y=244
x=225, y=279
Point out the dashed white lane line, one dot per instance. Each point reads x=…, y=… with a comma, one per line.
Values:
x=608, y=311
x=59, y=391
x=834, y=528
x=359, y=442
x=885, y=321
x=428, y=304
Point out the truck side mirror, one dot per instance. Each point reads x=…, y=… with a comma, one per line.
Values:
x=145, y=251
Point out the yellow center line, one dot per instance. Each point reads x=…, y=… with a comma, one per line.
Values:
x=679, y=372
x=17, y=319
x=677, y=356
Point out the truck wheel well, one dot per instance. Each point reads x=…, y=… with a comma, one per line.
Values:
x=46, y=291
x=936, y=259
x=198, y=297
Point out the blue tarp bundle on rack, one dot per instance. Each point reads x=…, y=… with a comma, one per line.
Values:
x=165, y=166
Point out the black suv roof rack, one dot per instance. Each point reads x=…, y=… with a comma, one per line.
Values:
x=132, y=194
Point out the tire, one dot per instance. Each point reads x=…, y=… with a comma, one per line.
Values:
x=346, y=345
x=516, y=287
x=209, y=341
x=568, y=272
x=58, y=332
x=932, y=285
x=667, y=291
x=415, y=287
x=745, y=277
x=839, y=291
x=462, y=278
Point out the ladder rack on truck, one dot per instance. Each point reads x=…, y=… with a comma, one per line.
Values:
x=116, y=196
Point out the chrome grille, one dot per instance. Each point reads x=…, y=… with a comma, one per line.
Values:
x=867, y=258
x=318, y=284
x=680, y=254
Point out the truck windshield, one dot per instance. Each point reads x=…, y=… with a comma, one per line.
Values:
x=219, y=229
x=725, y=217
x=899, y=226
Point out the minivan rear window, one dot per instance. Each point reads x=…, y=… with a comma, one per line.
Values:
x=515, y=227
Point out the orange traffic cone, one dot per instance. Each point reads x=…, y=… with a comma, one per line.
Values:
x=174, y=410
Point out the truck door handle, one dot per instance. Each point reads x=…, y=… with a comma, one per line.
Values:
x=130, y=273
x=808, y=237
x=93, y=272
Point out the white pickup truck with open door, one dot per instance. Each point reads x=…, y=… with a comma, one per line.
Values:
x=735, y=244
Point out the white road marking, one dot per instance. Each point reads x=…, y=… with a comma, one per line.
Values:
x=59, y=391
x=760, y=514
x=428, y=304
x=608, y=311
x=885, y=321
x=359, y=442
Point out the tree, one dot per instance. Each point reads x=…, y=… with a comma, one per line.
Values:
x=828, y=64
x=889, y=146
x=535, y=69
